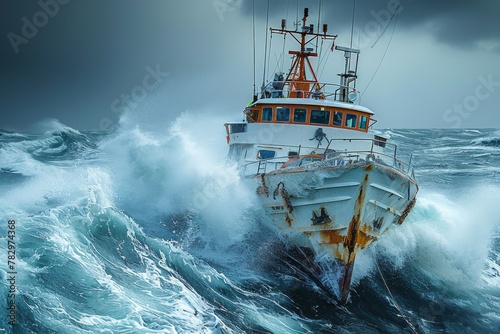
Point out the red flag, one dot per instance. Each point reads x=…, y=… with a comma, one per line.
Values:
x=333, y=45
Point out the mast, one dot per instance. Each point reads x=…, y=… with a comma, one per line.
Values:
x=301, y=76
x=301, y=80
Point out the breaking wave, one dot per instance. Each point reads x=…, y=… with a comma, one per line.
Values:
x=149, y=229
x=491, y=140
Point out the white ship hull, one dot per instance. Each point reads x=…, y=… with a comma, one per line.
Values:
x=329, y=212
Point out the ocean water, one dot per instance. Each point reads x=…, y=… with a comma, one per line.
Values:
x=148, y=231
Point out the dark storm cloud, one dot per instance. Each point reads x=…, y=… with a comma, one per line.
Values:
x=71, y=59
x=461, y=23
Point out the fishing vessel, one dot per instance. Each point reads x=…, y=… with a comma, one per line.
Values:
x=328, y=182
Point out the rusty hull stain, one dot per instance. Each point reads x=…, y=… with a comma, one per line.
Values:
x=407, y=211
x=286, y=199
x=262, y=189
x=350, y=241
x=331, y=237
x=364, y=237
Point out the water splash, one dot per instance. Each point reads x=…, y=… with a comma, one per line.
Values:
x=179, y=175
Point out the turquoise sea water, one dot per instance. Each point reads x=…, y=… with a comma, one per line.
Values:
x=136, y=231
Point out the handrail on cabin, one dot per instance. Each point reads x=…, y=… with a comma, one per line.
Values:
x=318, y=90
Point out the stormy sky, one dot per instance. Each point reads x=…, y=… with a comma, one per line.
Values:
x=423, y=63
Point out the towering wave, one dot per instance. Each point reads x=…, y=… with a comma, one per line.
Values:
x=149, y=229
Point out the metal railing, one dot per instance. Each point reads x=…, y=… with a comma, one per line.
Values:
x=320, y=90
x=388, y=150
x=387, y=155
x=262, y=164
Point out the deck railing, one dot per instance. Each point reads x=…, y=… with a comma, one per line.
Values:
x=389, y=152
x=387, y=155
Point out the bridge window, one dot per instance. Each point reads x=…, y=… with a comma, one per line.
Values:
x=252, y=115
x=350, y=120
x=266, y=154
x=282, y=114
x=267, y=114
x=337, y=118
x=320, y=116
x=299, y=115
x=362, y=122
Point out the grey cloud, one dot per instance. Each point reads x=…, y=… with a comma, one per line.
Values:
x=461, y=23
x=92, y=51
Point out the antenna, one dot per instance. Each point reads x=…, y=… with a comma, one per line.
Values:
x=265, y=52
x=352, y=23
x=297, y=17
x=349, y=75
x=319, y=17
x=283, y=27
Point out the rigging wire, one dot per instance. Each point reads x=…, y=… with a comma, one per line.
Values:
x=282, y=58
x=297, y=17
x=319, y=17
x=322, y=40
x=396, y=305
x=253, y=32
x=284, y=42
x=265, y=51
x=269, y=54
x=381, y=60
x=276, y=67
x=324, y=62
x=383, y=32
x=320, y=56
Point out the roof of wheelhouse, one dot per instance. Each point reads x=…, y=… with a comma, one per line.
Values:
x=312, y=102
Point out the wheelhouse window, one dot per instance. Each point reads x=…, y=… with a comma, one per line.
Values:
x=350, y=120
x=267, y=114
x=282, y=114
x=252, y=115
x=299, y=115
x=320, y=116
x=337, y=118
x=266, y=154
x=362, y=122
